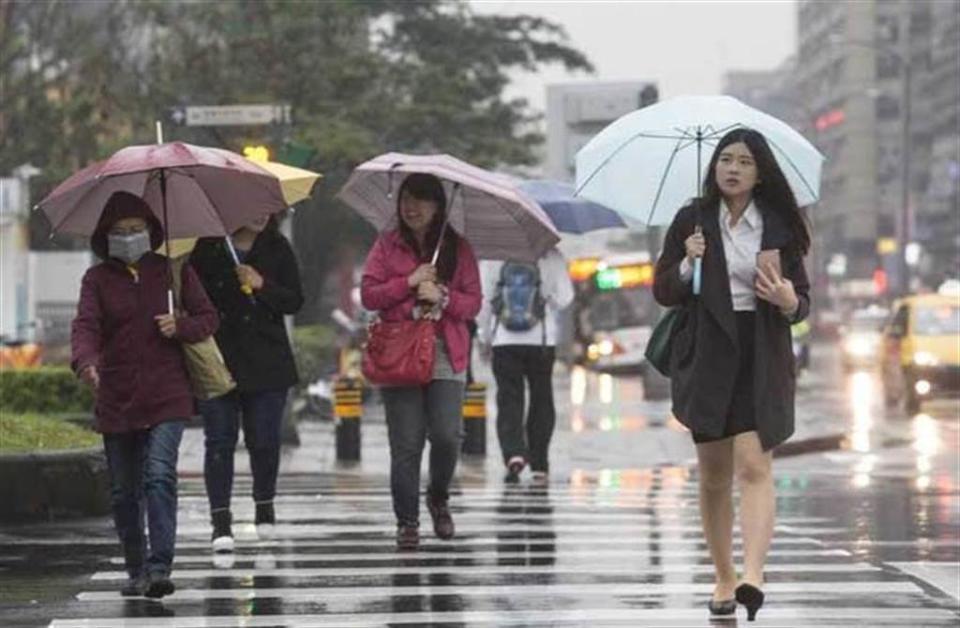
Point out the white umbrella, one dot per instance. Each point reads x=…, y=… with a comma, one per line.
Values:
x=499, y=220
x=649, y=163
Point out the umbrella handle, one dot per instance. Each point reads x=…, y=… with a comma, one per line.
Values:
x=244, y=288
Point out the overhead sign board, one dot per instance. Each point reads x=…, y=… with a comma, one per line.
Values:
x=231, y=115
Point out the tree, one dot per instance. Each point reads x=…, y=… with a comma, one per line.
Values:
x=362, y=78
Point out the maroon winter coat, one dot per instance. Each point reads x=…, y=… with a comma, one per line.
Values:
x=143, y=377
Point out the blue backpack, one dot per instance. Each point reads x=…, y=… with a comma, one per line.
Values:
x=518, y=304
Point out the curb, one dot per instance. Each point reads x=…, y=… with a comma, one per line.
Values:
x=51, y=485
x=815, y=444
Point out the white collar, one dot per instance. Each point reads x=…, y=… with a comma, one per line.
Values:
x=751, y=215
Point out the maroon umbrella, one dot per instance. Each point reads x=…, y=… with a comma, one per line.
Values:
x=194, y=190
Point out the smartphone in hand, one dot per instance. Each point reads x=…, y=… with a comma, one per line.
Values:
x=770, y=258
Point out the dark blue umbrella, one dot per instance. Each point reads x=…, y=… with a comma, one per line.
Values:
x=569, y=213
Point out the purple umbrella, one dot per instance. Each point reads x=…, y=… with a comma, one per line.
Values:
x=498, y=219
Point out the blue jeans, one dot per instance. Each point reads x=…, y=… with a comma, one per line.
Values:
x=414, y=414
x=143, y=472
x=261, y=414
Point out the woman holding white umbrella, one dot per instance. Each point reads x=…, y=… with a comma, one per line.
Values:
x=731, y=362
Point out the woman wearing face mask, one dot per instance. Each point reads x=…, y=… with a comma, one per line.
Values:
x=400, y=283
x=126, y=346
x=731, y=363
x=252, y=298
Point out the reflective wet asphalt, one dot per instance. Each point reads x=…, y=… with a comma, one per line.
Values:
x=868, y=535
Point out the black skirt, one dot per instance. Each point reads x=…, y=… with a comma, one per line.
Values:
x=741, y=416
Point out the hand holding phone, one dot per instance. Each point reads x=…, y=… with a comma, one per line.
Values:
x=769, y=260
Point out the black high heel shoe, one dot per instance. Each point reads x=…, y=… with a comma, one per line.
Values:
x=723, y=607
x=751, y=597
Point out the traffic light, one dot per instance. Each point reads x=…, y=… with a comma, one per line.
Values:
x=880, y=283
x=256, y=152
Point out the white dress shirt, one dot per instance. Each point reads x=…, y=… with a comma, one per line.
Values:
x=555, y=287
x=741, y=243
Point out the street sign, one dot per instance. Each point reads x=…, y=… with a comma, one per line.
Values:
x=231, y=115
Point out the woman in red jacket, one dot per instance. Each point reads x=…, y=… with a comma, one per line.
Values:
x=400, y=283
x=127, y=347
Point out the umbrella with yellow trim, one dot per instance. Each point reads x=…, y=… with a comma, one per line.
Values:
x=296, y=184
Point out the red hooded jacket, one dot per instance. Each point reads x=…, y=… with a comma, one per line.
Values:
x=143, y=377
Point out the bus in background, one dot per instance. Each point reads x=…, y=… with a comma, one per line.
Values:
x=614, y=315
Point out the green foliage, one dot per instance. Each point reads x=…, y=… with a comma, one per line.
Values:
x=27, y=432
x=44, y=390
x=316, y=350
x=362, y=78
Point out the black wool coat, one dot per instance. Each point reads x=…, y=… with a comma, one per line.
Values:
x=252, y=335
x=705, y=351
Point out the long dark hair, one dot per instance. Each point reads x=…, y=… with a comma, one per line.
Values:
x=772, y=192
x=426, y=187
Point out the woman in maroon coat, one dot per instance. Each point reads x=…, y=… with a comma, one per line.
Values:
x=127, y=347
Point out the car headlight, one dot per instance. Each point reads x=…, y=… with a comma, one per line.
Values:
x=925, y=358
x=860, y=345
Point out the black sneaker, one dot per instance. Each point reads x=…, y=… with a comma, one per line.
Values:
x=442, y=520
x=222, y=537
x=134, y=587
x=408, y=537
x=159, y=585
x=265, y=520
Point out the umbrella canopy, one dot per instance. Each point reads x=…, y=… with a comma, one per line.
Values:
x=296, y=183
x=208, y=191
x=569, y=213
x=649, y=163
x=498, y=219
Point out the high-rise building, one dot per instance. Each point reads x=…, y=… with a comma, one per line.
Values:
x=578, y=111
x=863, y=69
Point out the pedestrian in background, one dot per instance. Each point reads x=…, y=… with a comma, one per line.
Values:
x=126, y=346
x=519, y=321
x=731, y=362
x=252, y=298
x=400, y=283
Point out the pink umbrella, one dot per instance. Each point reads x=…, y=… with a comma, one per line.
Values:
x=499, y=220
x=195, y=191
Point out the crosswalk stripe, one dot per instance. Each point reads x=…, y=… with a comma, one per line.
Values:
x=470, y=515
x=495, y=554
x=559, y=567
x=318, y=530
x=526, y=537
x=595, y=588
x=822, y=617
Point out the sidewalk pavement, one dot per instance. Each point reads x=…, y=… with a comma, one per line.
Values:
x=612, y=427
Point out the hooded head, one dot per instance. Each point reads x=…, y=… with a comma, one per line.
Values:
x=124, y=205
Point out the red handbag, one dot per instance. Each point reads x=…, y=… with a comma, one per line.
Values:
x=400, y=353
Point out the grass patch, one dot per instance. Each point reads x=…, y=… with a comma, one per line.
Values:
x=30, y=432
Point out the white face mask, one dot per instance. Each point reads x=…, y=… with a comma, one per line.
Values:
x=129, y=247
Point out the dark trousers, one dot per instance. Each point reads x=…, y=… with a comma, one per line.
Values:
x=415, y=414
x=143, y=479
x=515, y=366
x=261, y=414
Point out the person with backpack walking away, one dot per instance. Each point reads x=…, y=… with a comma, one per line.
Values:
x=126, y=345
x=519, y=324
x=731, y=360
x=401, y=284
x=253, y=298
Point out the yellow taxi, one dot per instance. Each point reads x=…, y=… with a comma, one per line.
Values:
x=921, y=350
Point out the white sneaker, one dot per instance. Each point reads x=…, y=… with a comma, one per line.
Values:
x=266, y=531
x=223, y=544
x=224, y=560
